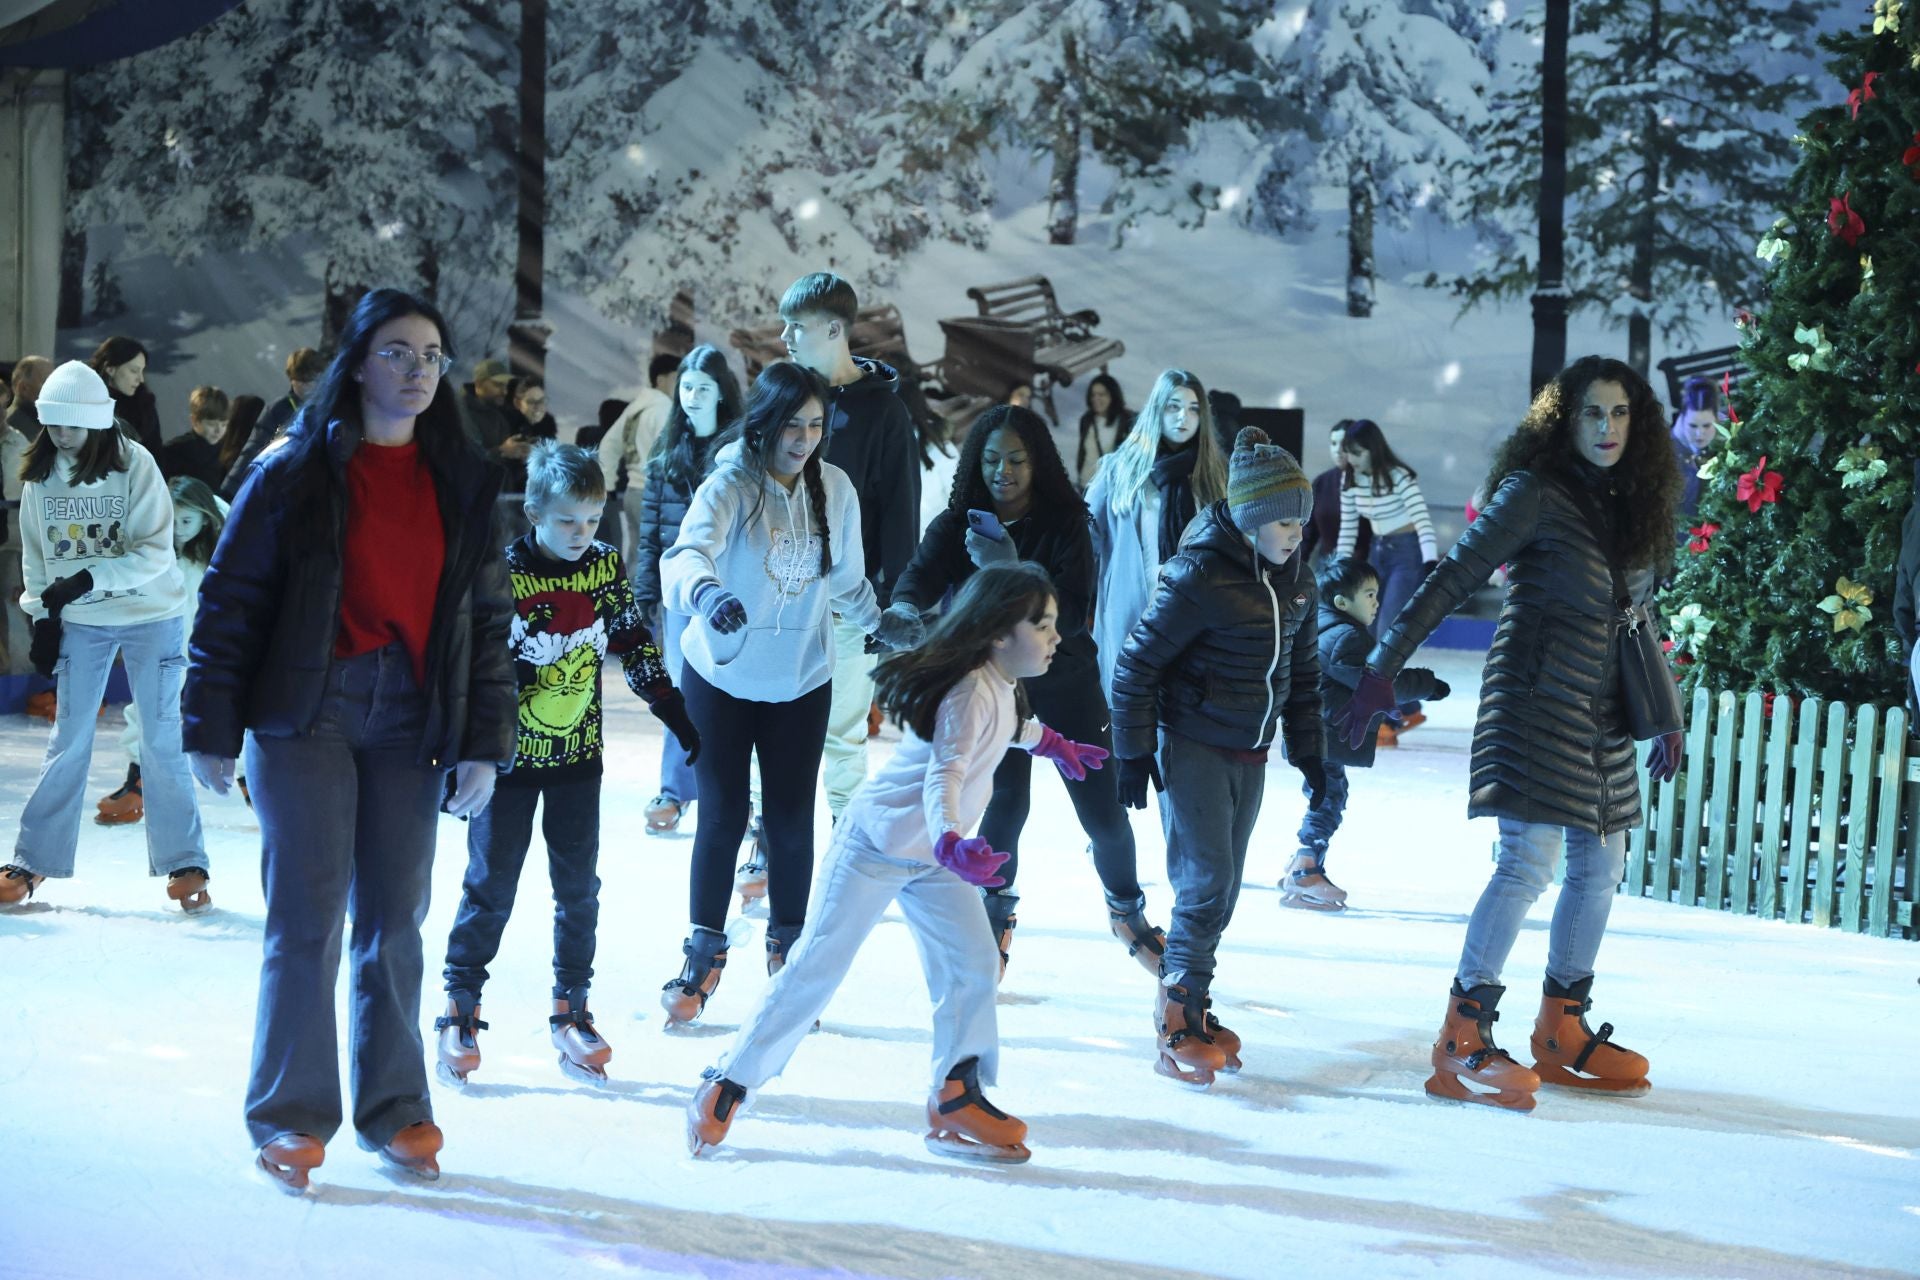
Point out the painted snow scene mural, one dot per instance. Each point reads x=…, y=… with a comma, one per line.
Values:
x=1387, y=918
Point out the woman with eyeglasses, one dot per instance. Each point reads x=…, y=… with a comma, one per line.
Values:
x=355, y=618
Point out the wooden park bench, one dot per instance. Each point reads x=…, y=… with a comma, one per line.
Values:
x=1715, y=366
x=1020, y=335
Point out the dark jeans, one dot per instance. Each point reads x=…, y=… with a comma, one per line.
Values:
x=1071, y=704
x=1318, y=826
x=348, y=816
x=1396, y=558
x=1207, y=811
x=497, y=844
x=788, y=738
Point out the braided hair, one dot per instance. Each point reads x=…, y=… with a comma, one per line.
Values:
x=779, y=394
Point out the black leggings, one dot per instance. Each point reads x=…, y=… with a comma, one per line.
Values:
x=789, y=737
x=1070, y=703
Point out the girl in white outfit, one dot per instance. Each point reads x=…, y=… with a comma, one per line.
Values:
x=903, y=838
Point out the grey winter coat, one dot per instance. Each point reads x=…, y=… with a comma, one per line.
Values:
x=1550, y=744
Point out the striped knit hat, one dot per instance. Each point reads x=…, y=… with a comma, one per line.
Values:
x=1264, y=483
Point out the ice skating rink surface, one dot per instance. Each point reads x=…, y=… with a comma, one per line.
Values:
x=1779, y=1139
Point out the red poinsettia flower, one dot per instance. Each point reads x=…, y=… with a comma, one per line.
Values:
x=1911, y=157
x=1759, y=486
x=1843, y=221
x=1702, y=536
x=1864, y=94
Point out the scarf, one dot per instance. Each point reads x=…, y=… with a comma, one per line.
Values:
x=1173, y=477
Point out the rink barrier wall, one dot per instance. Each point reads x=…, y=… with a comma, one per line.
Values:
x=1802, y=811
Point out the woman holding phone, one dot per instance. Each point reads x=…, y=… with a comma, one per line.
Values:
x=1012, y=501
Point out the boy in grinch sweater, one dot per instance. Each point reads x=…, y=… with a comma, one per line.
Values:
x=573, y=604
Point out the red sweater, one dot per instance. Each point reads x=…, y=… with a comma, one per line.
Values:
x=394, y=552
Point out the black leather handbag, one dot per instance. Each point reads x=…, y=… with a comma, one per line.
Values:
x=1647, y=688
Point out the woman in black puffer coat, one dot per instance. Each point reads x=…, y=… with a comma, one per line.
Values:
x=1551, y=752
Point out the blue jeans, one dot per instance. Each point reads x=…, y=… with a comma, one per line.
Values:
x=155, y=654
x=497, y=842
x=1528, y=851
x=348, y=817
x=1396, y=558
x=1207, y=812
x=676, y=775
x=1318, y=826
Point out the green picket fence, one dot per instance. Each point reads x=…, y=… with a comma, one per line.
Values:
x=1807, y=813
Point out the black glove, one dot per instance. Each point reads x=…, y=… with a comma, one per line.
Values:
x=61, y=592
x=1440, y=690
x=720, y=607
x=671, y=711
x=1135, y=772
x=45, y=650
x=1315, y=772
x=1427, y=568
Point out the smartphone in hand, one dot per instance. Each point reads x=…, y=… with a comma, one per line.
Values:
x=986, y=524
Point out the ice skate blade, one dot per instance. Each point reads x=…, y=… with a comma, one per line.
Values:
x=1301, y=902
x=1200, y=1078
x=1561, y=1078
x=584, y=1072
x=425, y=1168
x=1449, y=1087
x=448, y=1075
x=945, y=1142
x=284, y=1179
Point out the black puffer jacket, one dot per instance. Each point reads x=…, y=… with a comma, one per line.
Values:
x=1227, y=653
x=1550, y=743
x=663, y=507
x=270, y=609
x=1343, y=659
x=870, y=436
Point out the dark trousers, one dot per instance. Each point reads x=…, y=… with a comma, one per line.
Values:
x=788, y=738
x=1207, y=812
x=497, y=844
x=348, y=816
x=1396, y=558
x=1318, y=826
x=1069, y=702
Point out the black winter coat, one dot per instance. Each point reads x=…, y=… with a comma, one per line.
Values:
x=140, y=413
x=1058, y=542
x=1343, y=659
x=1550, y=744
x=270, y=610
x=1228, y=652
x=663, y=508
x=870, y=436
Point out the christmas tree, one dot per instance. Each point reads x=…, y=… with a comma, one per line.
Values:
x=1785, y=584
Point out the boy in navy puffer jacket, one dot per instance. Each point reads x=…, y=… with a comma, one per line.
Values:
x=1349, y=600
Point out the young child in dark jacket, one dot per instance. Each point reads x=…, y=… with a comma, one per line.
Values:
x=1225, y=658
x=1349, y=601
x=573, y=604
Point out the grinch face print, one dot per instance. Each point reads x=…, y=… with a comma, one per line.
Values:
x=561, y=637
x=793, y=562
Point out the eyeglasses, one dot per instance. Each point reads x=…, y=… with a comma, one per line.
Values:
x=404, y=361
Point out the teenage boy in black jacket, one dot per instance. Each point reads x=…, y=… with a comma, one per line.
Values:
x=871, y=438
x=1226, y=656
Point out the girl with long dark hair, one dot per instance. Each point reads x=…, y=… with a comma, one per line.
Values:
x=1584, y=483
x=1382, y=491
x=903, y=838
x=355, y=618
x=769, y=552
x=706, y=400
x=1008, y=469
x=122, y=365
x=1103, y=427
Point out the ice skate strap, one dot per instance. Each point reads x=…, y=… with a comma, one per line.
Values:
x=466, y=1022
x=576, y=1017
x=972, y=1097
x=729, y=1097
x=1478, y=1057
x=1599, y=1037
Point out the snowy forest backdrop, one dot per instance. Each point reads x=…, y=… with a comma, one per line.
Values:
x=1323, y=203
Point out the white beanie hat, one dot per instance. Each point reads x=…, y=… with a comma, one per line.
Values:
x=75, y=396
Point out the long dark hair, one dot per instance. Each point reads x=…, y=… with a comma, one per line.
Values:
x=441, y=428
x=1366, y=434
x=1646, y=488
x=910, y=686
x=240, y=424
x=782, y=390
x=99, y=455
x=1117, y=410
x=1053, y=491
x=190, y=491
x=672, y=459
x=113, y=353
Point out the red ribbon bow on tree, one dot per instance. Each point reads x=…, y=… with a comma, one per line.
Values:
x=1864, y=94
x=1702, y=536
x=1759, y=486
x=1843, y=221
x=1726, y=394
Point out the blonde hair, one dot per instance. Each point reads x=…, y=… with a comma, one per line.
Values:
x=208, y=404
x=1131, y=463
x=558, y=472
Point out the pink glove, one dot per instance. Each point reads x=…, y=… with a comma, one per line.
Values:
x=1073, y=758
x=1664, y=760
x=972, y=859
x=1373, y=695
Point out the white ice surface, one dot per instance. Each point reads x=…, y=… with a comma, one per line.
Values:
x=1779, y=1139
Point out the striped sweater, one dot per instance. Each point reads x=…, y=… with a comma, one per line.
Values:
x=1401, y=505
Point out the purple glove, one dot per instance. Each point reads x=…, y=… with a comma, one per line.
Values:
x=1073, y=758
x=1664, y=760
x=972, y=859
x=1372, y=696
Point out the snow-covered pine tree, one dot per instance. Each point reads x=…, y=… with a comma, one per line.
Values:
x=1392, y=92
x=1675, y=158
x=371, y=130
